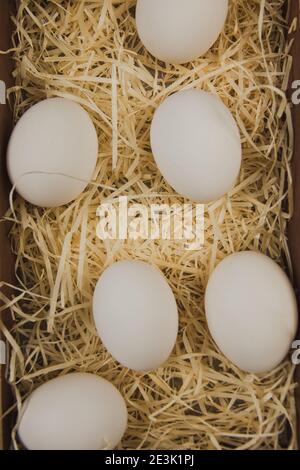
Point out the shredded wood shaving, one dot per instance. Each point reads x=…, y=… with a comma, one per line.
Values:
x=89, y=51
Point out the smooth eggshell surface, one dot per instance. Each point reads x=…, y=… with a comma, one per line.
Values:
x=179, y=31
x=251, y=311
x=196, y=144
x=136, y=315
x=73, y=412
x=53, y=143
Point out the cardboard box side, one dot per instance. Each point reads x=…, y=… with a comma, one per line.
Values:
x=6, y=258
x=294, y=225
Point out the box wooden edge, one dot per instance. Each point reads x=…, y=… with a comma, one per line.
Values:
x=6, y=258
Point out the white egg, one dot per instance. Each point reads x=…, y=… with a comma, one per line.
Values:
x=73, y=412
x=251, y=311
x=196, y=144
x=136, y=315
x=53, y=142
x=179, y=31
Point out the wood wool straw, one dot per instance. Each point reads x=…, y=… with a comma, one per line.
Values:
x=88, y=51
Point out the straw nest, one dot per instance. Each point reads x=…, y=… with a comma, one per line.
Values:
x=89, y=51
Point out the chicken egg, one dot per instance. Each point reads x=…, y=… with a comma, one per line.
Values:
x=136, y=315
x=73, y=412
x=196, y=144
x=179, y=31
x=52, y=152
x=251, y=311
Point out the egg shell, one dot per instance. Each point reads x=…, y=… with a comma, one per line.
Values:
x=179, y=31
x=136, y=315
x=73, y=412
x=52, y=152
x=251, y=311
x=196, y=144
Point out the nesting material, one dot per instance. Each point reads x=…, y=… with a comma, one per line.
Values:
x=89, y=51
